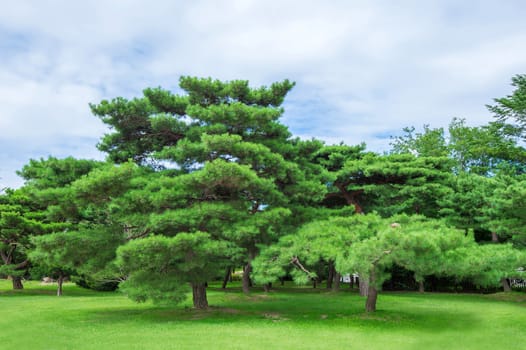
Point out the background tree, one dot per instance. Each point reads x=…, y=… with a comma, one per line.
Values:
x=19, y=220
x=391, y=184
x=512, y=108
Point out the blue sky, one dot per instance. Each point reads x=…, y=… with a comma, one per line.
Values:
x=363, y=69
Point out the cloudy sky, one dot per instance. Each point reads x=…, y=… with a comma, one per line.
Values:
x=364, y=69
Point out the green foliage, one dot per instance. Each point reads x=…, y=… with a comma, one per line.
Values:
x=486, y=265
x=512, y=108
x=466, y=205
x=507, y=212
x=430, y=143
x=157, y=267
x=392, y=184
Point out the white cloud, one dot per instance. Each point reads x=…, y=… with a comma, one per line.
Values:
x=363, y=69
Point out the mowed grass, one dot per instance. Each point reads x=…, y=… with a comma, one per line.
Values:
x=286, y=318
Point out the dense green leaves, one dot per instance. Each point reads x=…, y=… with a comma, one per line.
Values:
x=512, y=108
x=208, y=180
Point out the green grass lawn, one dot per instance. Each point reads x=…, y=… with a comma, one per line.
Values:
x=288, y=318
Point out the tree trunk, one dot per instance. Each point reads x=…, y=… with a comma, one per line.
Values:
x=60, y=281
x=336, y=282
x=330, y=276
x=370, y=303
x=246, y=278
x=314, y=283
x=228, y=275
x=372, y=293
x=199, y=295
x=421, y=288
x=17, y=282
x=267, y=287
x=350, y=198
x=494, y=237
x=363, y=284
x=505, y=284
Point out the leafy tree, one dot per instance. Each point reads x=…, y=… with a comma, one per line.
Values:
x=429, y=143
x=507, y=213
x=512, y=108
x=487, y=265
x=481, y=150
x=484, y=149
x=77, y=197
x=229, y=174
x=466, y=205
x=19, y=220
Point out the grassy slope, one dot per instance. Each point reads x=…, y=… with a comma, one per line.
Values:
x=284, y=319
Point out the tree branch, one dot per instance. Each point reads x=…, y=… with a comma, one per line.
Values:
x=295, y=261
x=22, y=265
x=138, y=235
x=385, y=252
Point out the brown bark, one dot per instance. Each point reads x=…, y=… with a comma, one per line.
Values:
x=60, y=282
x=494, y=237
x=227, y=278
x=246, y=278
x=370, y=303
x=267, y=287
x=330, y=276
x=421, y=288
x=363, y=285
x=199, y=295
x=350, y=198
x=372, y=293
x=17, y=282
x=5, y=258
x=336, y=282
x=505, y=284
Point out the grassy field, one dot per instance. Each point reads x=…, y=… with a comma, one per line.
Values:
x=288, y=318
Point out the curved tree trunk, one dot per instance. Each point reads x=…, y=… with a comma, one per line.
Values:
x=199, y=295
x=350, y=198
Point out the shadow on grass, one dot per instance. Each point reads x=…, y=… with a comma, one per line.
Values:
x=329, y=310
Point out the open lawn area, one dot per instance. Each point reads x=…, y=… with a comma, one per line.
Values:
x=286, y=318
